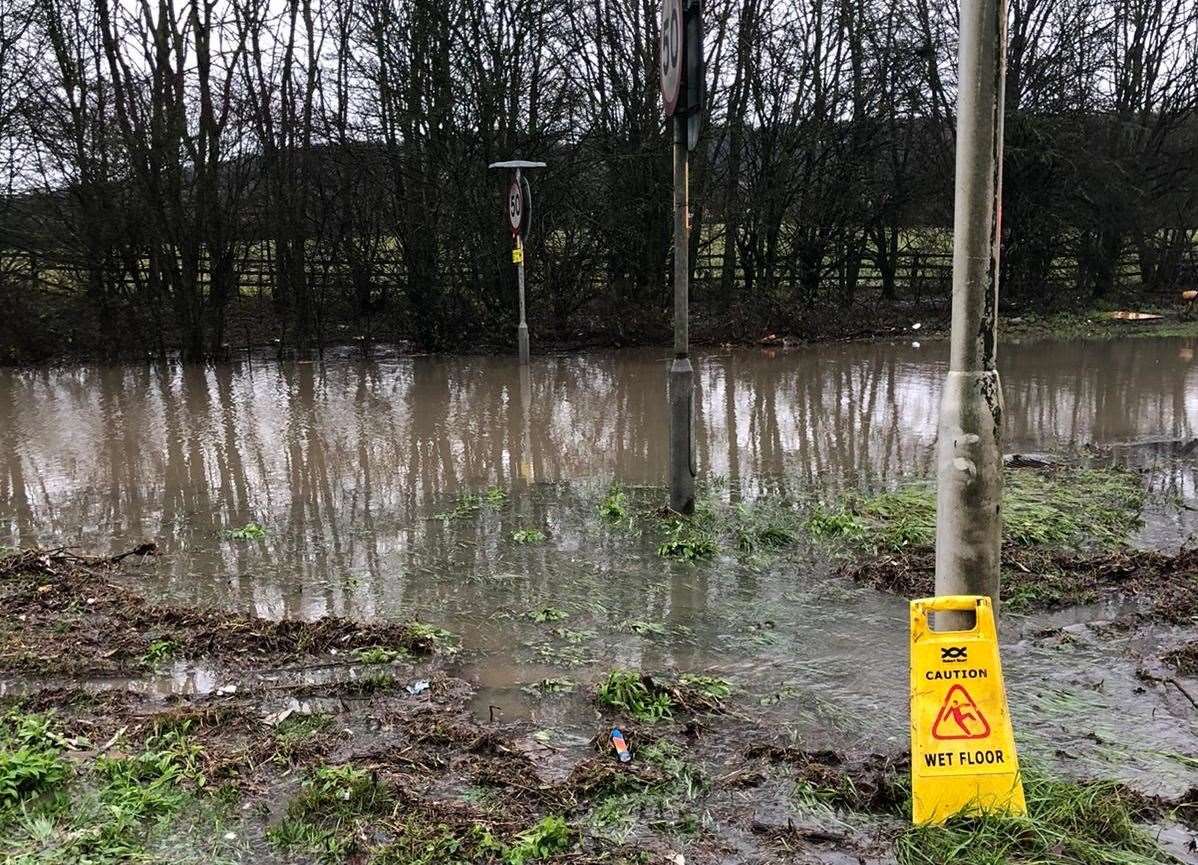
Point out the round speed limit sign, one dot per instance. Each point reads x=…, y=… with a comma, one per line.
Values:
x=515, y=206
x=671, y=54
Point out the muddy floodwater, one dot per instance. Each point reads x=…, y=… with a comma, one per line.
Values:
x=352, y=468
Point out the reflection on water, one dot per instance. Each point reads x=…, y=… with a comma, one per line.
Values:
x=341, y=446
x=344, y=462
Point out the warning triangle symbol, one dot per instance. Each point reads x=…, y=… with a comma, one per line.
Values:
x=959, y=717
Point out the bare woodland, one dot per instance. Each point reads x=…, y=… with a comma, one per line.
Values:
x=186, y=175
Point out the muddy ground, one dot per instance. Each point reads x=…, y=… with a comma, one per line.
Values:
x=335, y=741
x=1163, y=585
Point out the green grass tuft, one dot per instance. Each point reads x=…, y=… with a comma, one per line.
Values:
x=628, y=692
x=31, y=761
x=1067, y=507
x=378, y=655
x=328, y=817
x=528, y=536
x=249, y=532
x=686, y=541
x=615, y=508
x=549, y=836
x=1066, y=824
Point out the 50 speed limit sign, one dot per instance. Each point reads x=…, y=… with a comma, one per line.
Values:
x=515, y=205
x=672, y=54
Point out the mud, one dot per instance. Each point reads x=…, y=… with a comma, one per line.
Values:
x=53, y=598
x=718, y=780
x=1163, y=586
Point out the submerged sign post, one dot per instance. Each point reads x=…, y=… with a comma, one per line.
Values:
x=962, y=747
x=680, y=60
x=518, y=211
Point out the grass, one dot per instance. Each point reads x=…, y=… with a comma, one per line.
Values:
x=712, y=688
x=1066, y=824
x=470, y=503
x=629, y=693
x=104, y=816
x=159, y=652
x=544, y=615
x=417, y=841
x=1067, y=507
x=331, y=813
x=528, y=536
x=31, y=761
x=249, y=532
x=615, y=508
x=549, y=836
x=686, y=540
x=295, y=735
x=664, y=800
x=764, y=526
x=551, y=686
x=378, y=655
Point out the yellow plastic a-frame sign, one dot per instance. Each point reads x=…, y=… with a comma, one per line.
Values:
x=962, y=748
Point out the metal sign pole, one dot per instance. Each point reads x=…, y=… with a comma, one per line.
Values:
x=680, y=62
x=522, y=329
x=682, y=374
x=969, y=449
x=519, y=218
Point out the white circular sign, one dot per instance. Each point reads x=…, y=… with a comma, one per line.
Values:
x=515, y=205
x=670, y=59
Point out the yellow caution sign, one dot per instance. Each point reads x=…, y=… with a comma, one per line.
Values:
x=962, y=748
x=517, y=256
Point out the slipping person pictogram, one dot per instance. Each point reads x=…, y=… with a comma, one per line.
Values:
x=960, y=717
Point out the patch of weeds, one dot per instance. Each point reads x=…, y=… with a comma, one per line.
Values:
x=249, y=532
x=634, y=695
x=1024, y=596
x=1065, y=507
x=1072, y=508
x=551, y=686
x=464, y=506
x=419, y=842
x=764, y=527
x=528, y=536
x=663, y=801
x=294, y=735
x=686, y=541
x=1066, y=824
x=111, y=818
x=615, y=508
x=31, y=761
x=642, y=628
x=709, y=687
x=159, y=652
x=547, y=614
x=328, y=817
x=372, y=683
x=426, y=638
x=563, y=656
x=825, y=522
x=549, y=836
x=378, y=655
x=571, y=636
x=495, y=497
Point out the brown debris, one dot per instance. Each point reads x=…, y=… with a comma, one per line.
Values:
x=1049, y=579
x=47, y=594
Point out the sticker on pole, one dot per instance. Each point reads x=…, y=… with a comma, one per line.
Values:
x=517, y=256
x=962, y=746
x=515, y=205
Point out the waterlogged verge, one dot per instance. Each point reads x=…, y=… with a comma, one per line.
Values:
x=345, y=768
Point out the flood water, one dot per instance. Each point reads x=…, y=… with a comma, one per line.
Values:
x=346, y=464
